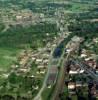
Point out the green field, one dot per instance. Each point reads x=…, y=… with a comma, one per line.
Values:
x=7, y=57
x=78, y=7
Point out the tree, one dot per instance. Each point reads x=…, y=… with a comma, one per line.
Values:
x=12, y=78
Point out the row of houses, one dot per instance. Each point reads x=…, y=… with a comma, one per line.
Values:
x=89, y=58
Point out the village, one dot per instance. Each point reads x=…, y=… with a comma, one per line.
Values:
x=48, y=50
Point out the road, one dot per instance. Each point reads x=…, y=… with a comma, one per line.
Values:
x=58, y=41
x=61, y=78
x=38, y=97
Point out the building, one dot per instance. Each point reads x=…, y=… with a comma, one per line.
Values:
x=92, y=63
x=74, y=43
x=41, y=67
x=72, y=88
x=76, y=72
x=75, y=69
x=39, y=61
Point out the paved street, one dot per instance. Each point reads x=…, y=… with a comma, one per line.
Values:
x=58, y=41
x=38, y=97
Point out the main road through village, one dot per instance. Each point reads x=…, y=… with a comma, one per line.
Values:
x=58, y=41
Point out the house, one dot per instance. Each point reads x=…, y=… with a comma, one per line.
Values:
x=95, y=40
x=54, y=45
x=75, y=39
x=5, y=75
x=71, y=85
x=40, y=49
x=71, y=88
x=35, y=87
x=23, y=61
x=41, y=67
x=42, y=72
x=14, y=66
x=47, y=34
x=32, y=76
x=46, y=55
x=18, y=18
x=92, y=63
x=76, y=72
x=78, y=83
x=23, y=70
x=83, y=55
x=75, y=69
x=68, y=50
x=33, y=58
x=39, y=60
x=45, y=61
x=48, y=44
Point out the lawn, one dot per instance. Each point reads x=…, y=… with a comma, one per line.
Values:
x=79, y=7
x=7, y=57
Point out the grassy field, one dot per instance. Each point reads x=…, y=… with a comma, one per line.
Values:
x=7, y=57
x=77, y=7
